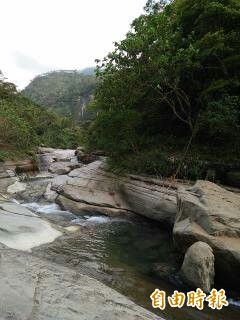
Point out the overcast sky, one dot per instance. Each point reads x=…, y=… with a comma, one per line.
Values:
x=42, y=35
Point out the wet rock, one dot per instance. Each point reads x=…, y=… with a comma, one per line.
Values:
x=198, y=267
x=165, y=271
x=209, y=213
x=106, y=269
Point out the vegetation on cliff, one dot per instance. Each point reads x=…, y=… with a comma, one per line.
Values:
x=25, y=125
x=66, y=92
x=171, y=88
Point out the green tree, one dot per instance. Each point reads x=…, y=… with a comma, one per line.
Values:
x=176, y=74
x=25, y=125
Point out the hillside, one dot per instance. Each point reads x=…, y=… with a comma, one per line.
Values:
x=65, y=91
x=25, y=125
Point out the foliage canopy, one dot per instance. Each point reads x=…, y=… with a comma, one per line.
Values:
x=175, y=75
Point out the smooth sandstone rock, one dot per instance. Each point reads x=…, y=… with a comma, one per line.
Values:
x=22, y=229
x=209, y=213
x=92, y=186
x=198, y=267
x=80, y=208
x=150, y=200
x=32, y=288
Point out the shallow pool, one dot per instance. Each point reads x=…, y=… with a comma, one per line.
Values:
x=123, y=253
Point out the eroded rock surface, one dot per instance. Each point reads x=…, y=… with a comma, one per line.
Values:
x=21, y=229
x=34, y=289
x=198, y=267
x=92, y=186
x=47, y=156
x=209, y=213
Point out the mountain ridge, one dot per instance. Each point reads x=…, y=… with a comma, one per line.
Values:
x=66, y=92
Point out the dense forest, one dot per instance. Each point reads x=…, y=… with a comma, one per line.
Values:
x=169, y=94
x=25, y=125
x=66, y=92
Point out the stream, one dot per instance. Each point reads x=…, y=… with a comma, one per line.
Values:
x=121, y=253
x=130, y=254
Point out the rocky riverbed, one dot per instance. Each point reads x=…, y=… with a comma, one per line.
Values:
x=105, y=234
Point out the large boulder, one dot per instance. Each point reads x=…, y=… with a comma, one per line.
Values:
x=93, y=186
x=209, y=213
x=198, y=267
x=63, y=167
x=47, y=156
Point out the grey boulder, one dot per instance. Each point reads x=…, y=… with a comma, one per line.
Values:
x=63, y=167
x=209, y=213
x=198, y=267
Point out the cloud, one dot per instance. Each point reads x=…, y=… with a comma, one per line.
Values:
x=28, y=63
x=42, y=35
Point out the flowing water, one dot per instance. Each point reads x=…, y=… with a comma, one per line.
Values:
x=122, y=252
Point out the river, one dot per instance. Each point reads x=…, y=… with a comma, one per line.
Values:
x=121, y=253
